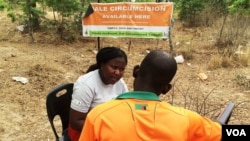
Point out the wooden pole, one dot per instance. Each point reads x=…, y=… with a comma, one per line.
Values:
x=98, y=38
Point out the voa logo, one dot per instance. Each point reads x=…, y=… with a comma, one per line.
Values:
x=236, y=132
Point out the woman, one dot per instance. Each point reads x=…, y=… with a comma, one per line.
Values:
x=102, y=82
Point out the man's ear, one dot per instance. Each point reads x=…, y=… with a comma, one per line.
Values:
x=166, y=89
x=136, y=70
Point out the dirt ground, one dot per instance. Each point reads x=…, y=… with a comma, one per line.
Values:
x=49, y=62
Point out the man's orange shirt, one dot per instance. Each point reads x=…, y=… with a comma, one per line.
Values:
x=141, y=116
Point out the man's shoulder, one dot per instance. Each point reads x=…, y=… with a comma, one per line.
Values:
x=104, y=107
x=179, y=110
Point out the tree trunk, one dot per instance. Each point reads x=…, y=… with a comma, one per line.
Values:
x=30, y=21
x=170, y=36
x=35, y=17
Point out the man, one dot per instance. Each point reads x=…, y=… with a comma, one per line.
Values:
x=141, y=116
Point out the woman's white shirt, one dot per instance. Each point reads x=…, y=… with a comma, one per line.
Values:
x=89, y=91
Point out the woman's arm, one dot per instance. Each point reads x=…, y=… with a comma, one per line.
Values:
x=76, y=119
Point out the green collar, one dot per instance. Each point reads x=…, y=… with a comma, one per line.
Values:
x=139, y=95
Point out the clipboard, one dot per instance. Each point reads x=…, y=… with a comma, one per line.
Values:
x=225, y=115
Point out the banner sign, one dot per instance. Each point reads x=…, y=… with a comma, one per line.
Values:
x=127, y=19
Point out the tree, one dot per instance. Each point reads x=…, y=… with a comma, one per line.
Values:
x=238, y=11
x=189, y=10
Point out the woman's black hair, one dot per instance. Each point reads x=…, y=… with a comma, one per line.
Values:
x=105, y=54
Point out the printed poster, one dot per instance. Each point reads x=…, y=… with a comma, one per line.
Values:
x=128, y=19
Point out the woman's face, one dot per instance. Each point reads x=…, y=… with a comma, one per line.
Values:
x=113, y=70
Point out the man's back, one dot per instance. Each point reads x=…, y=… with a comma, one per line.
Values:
x=141, y=116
